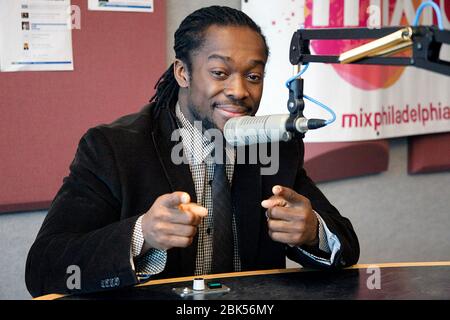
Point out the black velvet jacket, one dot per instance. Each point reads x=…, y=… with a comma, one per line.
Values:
x=119, y=170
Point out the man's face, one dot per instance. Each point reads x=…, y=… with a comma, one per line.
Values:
x=226, y=79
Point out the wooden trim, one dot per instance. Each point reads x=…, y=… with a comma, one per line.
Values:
x=52, y=296
x=271, y=271
x=289, y=270
x=401, y=264
x=222, y=276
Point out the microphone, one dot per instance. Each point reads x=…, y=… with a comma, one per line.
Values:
x=246, y=130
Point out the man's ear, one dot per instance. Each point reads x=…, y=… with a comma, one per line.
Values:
x=181, y=73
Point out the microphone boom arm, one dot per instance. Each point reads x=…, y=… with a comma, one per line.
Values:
x=426, y=43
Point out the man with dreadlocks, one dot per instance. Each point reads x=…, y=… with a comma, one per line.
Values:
x=128, y=212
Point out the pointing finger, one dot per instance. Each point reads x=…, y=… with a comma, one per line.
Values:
x=193, y=208
x=273, y=202
x=288, y=194
x=190, y=214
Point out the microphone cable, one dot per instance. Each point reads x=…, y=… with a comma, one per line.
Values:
x=320, y=104
x=437, y=10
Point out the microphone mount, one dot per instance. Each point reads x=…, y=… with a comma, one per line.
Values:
x=295, y=105
x=426, y=43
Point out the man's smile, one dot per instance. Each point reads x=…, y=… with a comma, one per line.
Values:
x=231, y=110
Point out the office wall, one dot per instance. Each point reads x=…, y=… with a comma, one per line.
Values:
x=398, y=217
x=118, y=56
x=17, y=233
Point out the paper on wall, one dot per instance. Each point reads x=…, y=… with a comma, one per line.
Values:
x=121, y=5
x=35, y=35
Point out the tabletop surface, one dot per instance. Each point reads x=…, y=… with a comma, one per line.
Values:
x=379, y=282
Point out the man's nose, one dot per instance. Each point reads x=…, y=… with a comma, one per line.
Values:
x=236, y=88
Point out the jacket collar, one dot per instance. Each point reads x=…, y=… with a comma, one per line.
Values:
x=179, y=178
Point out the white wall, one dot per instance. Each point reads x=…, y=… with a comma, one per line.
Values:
x=17, y=233
x=178, y=9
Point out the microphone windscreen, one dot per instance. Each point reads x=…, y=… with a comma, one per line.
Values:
x=247, y=130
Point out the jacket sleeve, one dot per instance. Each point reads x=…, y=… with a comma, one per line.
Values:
x=340, y=226
x=83, y=228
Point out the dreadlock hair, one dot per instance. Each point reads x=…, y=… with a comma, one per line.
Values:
x=190, y=37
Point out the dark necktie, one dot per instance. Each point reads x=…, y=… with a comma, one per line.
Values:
x=223, y=244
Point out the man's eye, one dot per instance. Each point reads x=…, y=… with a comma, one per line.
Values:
x=218, y=74
x=254, y=77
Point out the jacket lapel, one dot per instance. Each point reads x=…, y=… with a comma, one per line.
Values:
x=180, y=179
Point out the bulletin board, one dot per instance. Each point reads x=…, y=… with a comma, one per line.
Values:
x=118, y=57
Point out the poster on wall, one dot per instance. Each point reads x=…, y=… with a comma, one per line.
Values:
x=121, y=5
x=35, y=35
x=370, y=102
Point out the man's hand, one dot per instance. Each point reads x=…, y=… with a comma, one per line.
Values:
x=290, y=218
x=171, y=222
